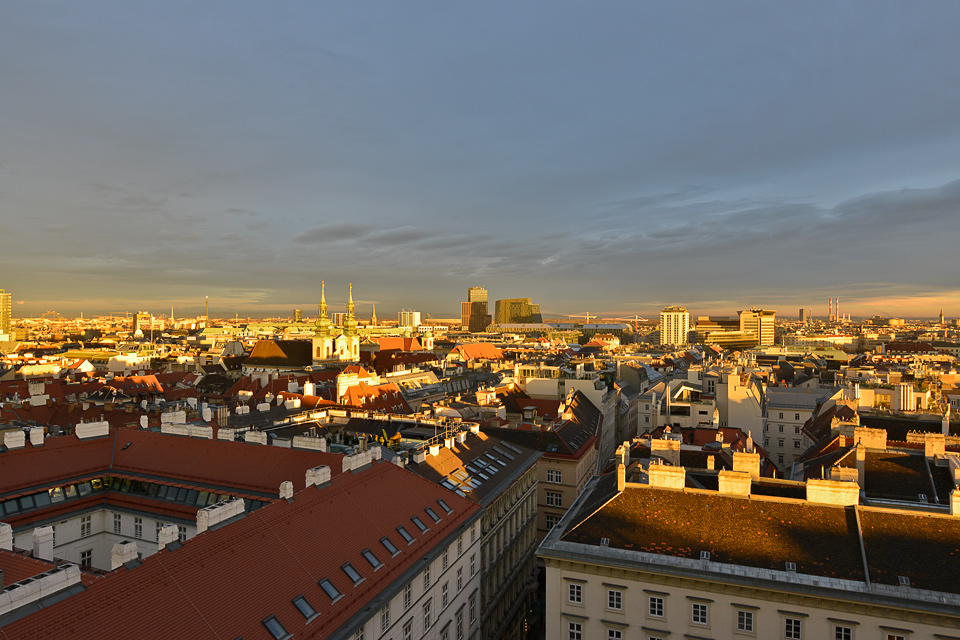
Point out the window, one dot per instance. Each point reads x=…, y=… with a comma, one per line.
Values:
x=699, y=613
x=552, y=521
x=444, y=595
x=780, y=458
x=460, y=546
x=372, y=559
x=656, y=607
x=330, y=590
x=796, y=416
x=389, y=546
x=358, y=635
x=473, y=565
x=779, y=442
x=426, y=613
x=745, y=621
x=117, y=521
x=614, y=599
x=614, y=634
x=305, y=608
x=792, y=629
x=781, y=415
x=445, y=632
x=473, y=533
x=407, y=596
x=895, y=636
x=138, y=533
x=385, y=618
x=417, y=521
x=406, y=535
x=182, y=533
x=159, y=526
x=575, y=593
x=554, y=475
x=445, y=506
x=408, y=630
x=459, y=620
x=352, y=573
x=843, y=633
x=459, y=579
x=796, y=444
x=554, y=499
x=85, y=526
x=473, y=607
x=781, y=428
x=275, y=628
x=53, y=528
x=432, y=514
x=426, y=578
x=86, y=558
x=796, y=430
x=576, y=631
x=445, y=560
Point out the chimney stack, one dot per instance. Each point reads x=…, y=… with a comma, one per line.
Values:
x=43, y=543
x=6, y=536
x=168, y=535
x=286, y=490
x=122, y=553
x=621, y=477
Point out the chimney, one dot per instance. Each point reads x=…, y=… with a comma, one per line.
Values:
x=209, y=516
x=36, y=437
x=711, y=462
x=833, y=492
x=734, y=483
x=286, y=490
x=955, y=503
x=14, y=439
x=168, y=535
x=621, y=477
x=419, y=456
x=123, y=552
x=318, y=475
x=934, y=444
x=6, y=536
x=43, y=543
x=665, y=476
x=861, y=464
x=749, y=462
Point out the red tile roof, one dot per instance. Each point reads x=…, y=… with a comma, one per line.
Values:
x=223, y=582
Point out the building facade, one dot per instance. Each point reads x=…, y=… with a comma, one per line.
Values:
x=674, y=325
x=6, y=307
x=517, y=311
x=761, y=323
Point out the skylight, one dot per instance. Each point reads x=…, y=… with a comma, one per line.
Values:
x=504, y=453
x=432, y=514
x=512, y=448
x=352, y=573
x=372, y=559
x=417, y=521
x=392, y=548
x=445, y=506
x=330, y=590
x=305, y=608
x=406, y=535
x=275, y=628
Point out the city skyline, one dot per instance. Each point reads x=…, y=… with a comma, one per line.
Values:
x=615, y=160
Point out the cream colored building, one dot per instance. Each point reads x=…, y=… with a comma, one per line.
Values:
x=674, y=325
x=761, y=323
x=655, y=560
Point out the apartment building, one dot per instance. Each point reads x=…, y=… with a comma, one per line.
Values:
x=674, y=325
x=656, y=560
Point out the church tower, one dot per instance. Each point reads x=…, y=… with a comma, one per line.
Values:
x=323, y=338
x=373, y=317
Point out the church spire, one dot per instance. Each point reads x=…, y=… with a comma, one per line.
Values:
x=373, y=317
x=323, y=322
x=350, y=323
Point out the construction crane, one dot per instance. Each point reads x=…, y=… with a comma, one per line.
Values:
x=636, y=320
x=585, y=316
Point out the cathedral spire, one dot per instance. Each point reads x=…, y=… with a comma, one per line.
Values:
x=323, y=322
x=350, y=323
x=373, y=317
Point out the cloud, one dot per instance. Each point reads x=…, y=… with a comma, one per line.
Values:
x=332, y=232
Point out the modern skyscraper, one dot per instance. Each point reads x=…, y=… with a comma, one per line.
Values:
x=408, y=319
x=803, y=316
x=474, y=316
x=674, y=325
x=760, y=322
x=517, y=310
x=6, y=306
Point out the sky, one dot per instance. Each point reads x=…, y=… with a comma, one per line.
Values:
x=610, y=158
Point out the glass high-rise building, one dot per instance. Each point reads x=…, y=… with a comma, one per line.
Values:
x=517, y=311
x=474, y=316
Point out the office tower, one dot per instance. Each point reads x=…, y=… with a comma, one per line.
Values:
x=674, y=325
x=473, y=313
x=298, y=315
x=803, y=316
x=517, y=311
x=338, y=318
x=408, y=319
x=6, y=312
x=760, y=322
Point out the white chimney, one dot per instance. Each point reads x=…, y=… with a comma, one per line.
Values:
x=318, y=475
x=121, y=553
x=168, y=535
x=43, y=543
x=6, y=537
x=286, y=490
x=36, y=437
